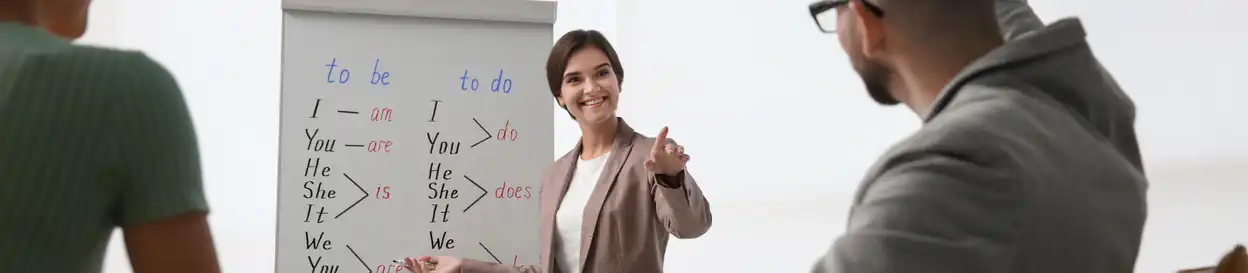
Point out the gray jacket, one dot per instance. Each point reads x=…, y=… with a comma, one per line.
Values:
x=1027, y=162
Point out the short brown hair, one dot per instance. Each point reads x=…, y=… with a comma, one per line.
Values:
x=572, y=42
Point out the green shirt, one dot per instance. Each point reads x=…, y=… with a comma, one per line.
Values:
x=90, y=139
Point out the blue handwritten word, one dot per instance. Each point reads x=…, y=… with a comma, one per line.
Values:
x=465, y=84
x=343, y=76
x=499, y=84
x=379, y=77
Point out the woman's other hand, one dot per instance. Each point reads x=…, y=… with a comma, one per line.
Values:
x=437, y=264
x=666, y=158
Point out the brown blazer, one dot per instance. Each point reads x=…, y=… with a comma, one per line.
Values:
x=629, y=215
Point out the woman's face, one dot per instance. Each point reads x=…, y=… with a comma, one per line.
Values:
x=590, y=88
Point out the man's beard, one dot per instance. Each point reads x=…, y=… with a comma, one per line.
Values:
x=875, y=77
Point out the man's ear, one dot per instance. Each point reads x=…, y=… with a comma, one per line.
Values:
x=870, y=28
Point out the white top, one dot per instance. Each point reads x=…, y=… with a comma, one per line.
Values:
x=571, y=211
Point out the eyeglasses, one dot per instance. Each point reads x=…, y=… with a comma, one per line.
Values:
x=824, y=13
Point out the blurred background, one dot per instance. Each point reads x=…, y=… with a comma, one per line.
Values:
x=720, y=72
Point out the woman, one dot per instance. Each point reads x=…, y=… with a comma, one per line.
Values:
x=610, y=203
x=92, y=139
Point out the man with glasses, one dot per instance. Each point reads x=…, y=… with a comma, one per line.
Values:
x=1026, y=160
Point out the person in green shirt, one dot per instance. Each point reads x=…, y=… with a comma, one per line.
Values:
x=92, y=139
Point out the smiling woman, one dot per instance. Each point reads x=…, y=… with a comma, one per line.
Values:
x=598, y=54
x=614, y=199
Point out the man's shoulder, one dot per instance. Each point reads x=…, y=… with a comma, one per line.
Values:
x=984, y=111
x=969, y=141
x=979, y=123
x=990, y=104
x=1003, y=126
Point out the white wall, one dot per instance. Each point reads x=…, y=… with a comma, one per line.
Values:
x=778, y=125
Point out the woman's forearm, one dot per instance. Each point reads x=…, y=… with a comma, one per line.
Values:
x=475, y=266
x=682, y=208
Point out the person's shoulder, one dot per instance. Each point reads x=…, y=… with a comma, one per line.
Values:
x=977, y=124
x=973, y=100
x=89, y=56
x=112, y=68
x=557, y=167
x=86, y=68
x=549, y=172
x=987, y=124
x=138, y=69
x=979, y=109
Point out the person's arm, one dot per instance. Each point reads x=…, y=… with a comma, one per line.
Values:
x=181, y=243
x=1016, y=18
x=681, y=208
x=932, y=211
x=475, y=266
x=161, y=206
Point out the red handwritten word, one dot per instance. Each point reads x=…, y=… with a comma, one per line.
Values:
x=390, y=268
x=383, y=192
x=513, y=192
x=379, y=146
x=507, y=133
x=382, y=114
